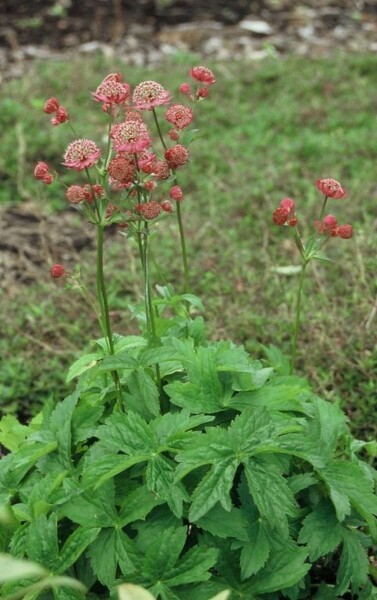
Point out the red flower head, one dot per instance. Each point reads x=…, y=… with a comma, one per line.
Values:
x=167, y=206
x=202, y=92
x=51, y=106
x=177, y=156
x=331, y=188
x=42, y=172
x=60, y=117
x=203, y=75
x=121, y=169
x=285, y=213
x=280, y=216
x=345, y=231
x=179, y=115
x=112, y=91
x=149, y=94
x=161, y=170
x=75, y=194
x=149, y=210
x=176, y=193
x=131, y=136
x=185, y=89
x=81, y=154
x=57, y=271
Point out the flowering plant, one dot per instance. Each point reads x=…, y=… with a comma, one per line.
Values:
x=181, y=464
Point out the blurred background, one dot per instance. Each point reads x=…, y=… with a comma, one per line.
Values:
x=295, y=100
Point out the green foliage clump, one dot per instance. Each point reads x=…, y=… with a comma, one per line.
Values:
x=246, y=481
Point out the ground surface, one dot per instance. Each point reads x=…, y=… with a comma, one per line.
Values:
x=146, y=31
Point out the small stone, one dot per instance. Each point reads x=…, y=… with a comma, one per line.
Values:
x=255, y=26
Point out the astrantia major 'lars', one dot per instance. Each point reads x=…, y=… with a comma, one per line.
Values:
x=80, y=154
x=149, y=94
x=177, y=156
x=202, y=75
x=130, y=136
x=179, y=115
x=112, y=91
x=331, y=188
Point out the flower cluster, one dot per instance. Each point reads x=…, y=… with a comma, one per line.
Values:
x=326, y=225
x=51, y=107
x=135, y=178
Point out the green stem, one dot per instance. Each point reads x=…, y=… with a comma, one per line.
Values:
x=104, y=306
x=298, y=315
x=179, y=217
x=183, y=249
x=323, y=208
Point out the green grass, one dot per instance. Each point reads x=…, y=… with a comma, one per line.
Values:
x=269, y=130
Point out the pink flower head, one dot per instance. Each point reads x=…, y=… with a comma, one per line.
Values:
x=176, y=193
x=146, y=161
x=177, y=156
x=51, y=106
x=167, y=206
x=179, y=115
x=75, y=194
x=61, y=116
x=57, y=271
x=202, y=92
x=121, y=169
x=112, y=91
x=161, y=170
x=288, y=204
x=331, y=188
x=203, y=75
x=174, y=135
x=130, y=136
x=185, y=89
x=149, y=94
x=42, y=172
x=80, y=154
x=92, y=190
x=285, y=213
x=345, y=231
x=149, y=210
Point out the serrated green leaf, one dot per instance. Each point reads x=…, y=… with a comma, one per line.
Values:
x=42, y=541
x=170, y=426
x=163, y=553
x=111, y=547
x=284, y=569
x=271, y=493
x=275, y=357
x=254, y=553
x=60, y=424
x=160, y=480
x=251, y=429
x=137, y=505
x=193, y=566
x=354, y=564
x=282, y=394
x=107, y=467
x=321, y=531
x=128, y=433
x=75, y=545
x=225, y=524
x=347, y=485
x=214, y=487
x=142, y=386
x=122, y=361
x=92, y=510
x=12, y=433
x=82, y=364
